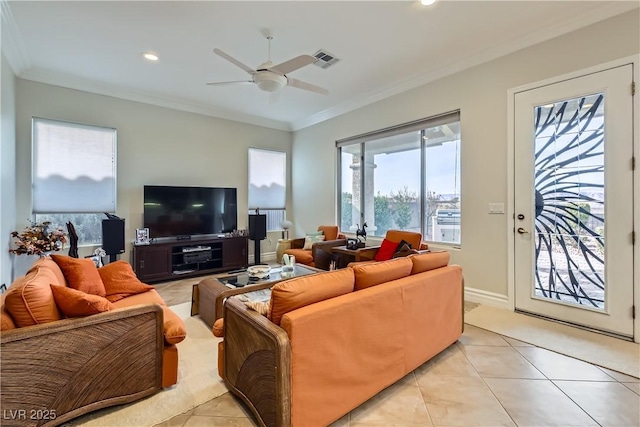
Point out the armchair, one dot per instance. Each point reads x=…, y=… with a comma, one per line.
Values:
x=396, y=236
x=319, y=255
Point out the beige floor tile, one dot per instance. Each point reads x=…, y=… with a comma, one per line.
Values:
x=516, y=343
x=390, y=424
x=609, y=403
x=560, y=367
x=398, y=404
x=451, y=362
x=620, y=377
x=342, y=422
x=204, y=421
x=177, y=421
x=500, y=362
x=477, y=336
x=635, y=387
x=223, y=406
x=462, y=401
x=178, y=291
x=536, y=403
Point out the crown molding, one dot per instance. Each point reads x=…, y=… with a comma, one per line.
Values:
x=599, y=14
x=100, y=88
x=12, y=45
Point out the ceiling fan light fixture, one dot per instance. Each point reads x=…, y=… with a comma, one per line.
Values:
x=427, y=2
x=269, y=82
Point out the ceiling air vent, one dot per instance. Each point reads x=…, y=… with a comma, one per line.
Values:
x=325, y=59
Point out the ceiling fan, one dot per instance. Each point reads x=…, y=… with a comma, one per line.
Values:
x=269, y=77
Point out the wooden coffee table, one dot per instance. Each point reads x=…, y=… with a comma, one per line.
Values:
x=213, y=291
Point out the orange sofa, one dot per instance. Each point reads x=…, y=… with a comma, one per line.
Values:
x=61, y=366
x=333, y=340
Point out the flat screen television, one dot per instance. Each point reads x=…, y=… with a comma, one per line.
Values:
x=187, y=211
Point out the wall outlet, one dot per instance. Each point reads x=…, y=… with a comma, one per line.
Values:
x=496, y=208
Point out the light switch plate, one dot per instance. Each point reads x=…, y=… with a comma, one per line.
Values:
x=496, y=208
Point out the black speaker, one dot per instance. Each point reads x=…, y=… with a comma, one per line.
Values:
x=257, y=227
x=113, y=236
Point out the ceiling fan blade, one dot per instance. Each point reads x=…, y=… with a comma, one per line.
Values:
x=229, y=83
x=306, y=86
x=293, y=64
x=234, y=61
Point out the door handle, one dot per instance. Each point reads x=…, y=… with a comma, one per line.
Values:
x=522, y=230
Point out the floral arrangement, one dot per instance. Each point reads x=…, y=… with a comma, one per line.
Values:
x=37, y=239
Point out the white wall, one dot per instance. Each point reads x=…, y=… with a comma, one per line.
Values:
x=156, y=145
x=481, y=95
x=7, y=168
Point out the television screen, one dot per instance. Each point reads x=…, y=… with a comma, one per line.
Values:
x=187, y=211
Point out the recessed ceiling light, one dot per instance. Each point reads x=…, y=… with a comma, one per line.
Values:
x=427, y=2
x=150, y=56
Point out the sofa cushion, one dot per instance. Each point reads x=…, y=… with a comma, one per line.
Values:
x=120, y=281
x=81, y=274
x=330, y=232
x=6, y=321
x=29, y=299
x=386, y=251
x=174, y=329
x=48, y=262
x=429, y=261
x=302, y=291
x=371, y=274
x=73, y=303
x=149, y=297
x=218, y=328
x=302, y=256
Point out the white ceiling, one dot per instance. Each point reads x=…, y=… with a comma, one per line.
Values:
x=385, y=47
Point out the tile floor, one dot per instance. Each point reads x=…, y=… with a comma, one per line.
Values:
x=484, y=379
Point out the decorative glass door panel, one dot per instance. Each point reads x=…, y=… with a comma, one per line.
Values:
x=574, y=199
x=569, y=201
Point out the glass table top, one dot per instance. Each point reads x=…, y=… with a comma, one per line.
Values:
x=275, y=275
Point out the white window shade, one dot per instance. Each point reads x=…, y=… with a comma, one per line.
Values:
x=267, y=179
x=74, y=168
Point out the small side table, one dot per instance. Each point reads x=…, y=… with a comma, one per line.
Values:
x=283, y=245
x=345, y=256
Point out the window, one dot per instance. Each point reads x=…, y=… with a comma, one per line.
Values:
x=268, y=185
x=73, y=176
x=406, y=178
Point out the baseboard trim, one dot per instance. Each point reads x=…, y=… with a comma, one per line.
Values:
x=488, y=298
x=265, y=258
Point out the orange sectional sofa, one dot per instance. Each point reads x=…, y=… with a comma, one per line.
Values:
x=59, y=361
x=333, y=340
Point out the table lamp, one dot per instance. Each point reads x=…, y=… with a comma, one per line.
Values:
x=286, y=225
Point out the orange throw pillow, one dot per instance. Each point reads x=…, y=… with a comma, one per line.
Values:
x=81, y=274
x=120, y=281
x=73, y=303
x=29, y=299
